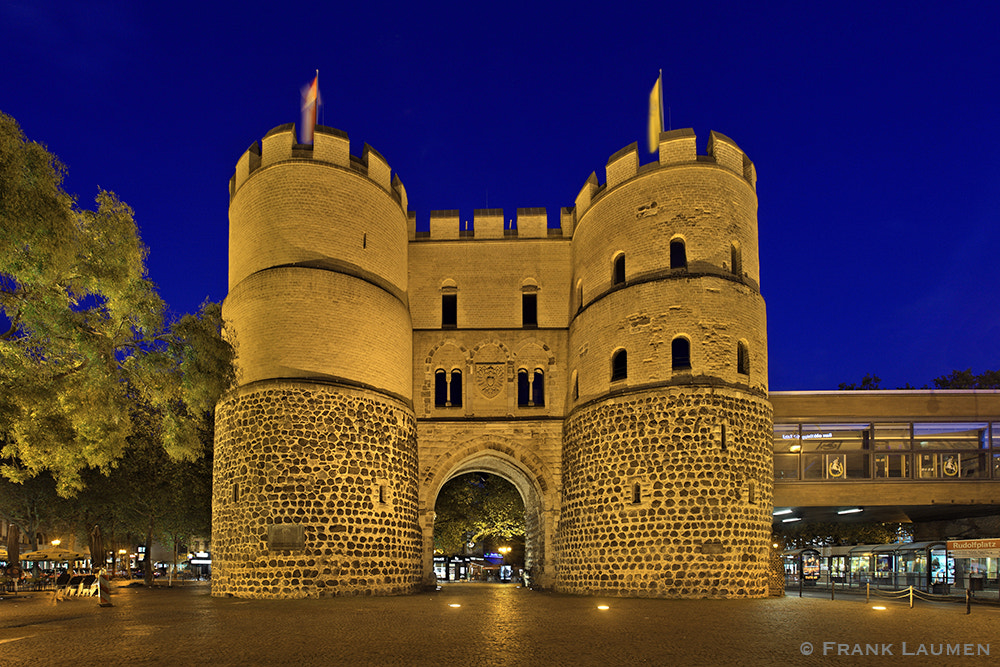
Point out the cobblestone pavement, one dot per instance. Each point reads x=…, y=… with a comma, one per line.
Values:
x=495, y=625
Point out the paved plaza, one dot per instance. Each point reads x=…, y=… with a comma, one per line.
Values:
x=495, y=624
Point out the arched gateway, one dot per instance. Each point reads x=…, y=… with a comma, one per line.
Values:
x=519, y=466
x=622, y=391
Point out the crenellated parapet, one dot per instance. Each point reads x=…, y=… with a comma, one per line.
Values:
x=491, y=224
x=330, y=147
x=677, y=147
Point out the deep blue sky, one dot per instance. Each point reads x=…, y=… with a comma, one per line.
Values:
x=872, y=126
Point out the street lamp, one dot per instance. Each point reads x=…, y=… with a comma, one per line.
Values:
x=56, y=543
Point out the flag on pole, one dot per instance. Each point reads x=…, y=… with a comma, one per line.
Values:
x=310, y=102
x=656, y=114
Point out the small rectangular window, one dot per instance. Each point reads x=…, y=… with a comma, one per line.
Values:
x=449, y=311
x=529, y=310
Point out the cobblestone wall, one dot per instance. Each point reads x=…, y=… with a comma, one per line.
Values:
x=315, y=493
x=667, y=493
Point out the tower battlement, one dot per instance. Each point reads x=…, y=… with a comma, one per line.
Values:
x=677, y=147
x=487, y=223
x=330, y=146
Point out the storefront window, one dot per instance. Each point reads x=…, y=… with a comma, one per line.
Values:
x=892, y=436
x=950, y=436
x=889, y=466
x=786, y=466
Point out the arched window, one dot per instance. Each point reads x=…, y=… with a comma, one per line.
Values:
x=618, y=273
x=680, y=350
x=440, y=389
x=619, y=365
x=736, y=259
x=678, y=255
x=538, y=387
x=579, y=295
x=742, y=358
x=530, y=388
x=576, y=386
x=456, y=389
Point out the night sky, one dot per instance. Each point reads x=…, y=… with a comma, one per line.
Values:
x=872, y=127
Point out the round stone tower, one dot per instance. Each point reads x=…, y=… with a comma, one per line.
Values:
x=315, y=481
x=667, y=460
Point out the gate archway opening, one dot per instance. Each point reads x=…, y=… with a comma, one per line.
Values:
x=536, y=514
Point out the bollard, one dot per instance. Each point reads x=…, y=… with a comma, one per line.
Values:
x=911, y=597
x=968, y=601
x=868, y=592
x=105, y=589
x=833, y=586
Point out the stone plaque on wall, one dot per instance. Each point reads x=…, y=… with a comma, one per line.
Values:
x=286, y=537
x=712, y=548
x=490, y=378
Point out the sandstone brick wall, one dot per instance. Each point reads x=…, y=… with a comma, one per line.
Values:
x=341, y=464
x=489, y=276
x=296, y=211
x=313, y=323
x=702, y=523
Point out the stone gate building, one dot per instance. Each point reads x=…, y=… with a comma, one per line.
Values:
x=613, y=368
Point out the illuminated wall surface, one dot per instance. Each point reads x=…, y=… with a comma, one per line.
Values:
x=612, y=367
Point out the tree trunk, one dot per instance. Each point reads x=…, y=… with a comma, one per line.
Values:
x=147, y=561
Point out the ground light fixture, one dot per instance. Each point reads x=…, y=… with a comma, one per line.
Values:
x=879, y=608
x=454, y=606
x=603, y=607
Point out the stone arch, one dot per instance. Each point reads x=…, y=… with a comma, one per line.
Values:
x=521, y=467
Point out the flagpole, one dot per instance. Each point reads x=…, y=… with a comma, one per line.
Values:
x=660, y=79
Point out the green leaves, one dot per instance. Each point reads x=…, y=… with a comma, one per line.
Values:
x=473, y=506
x=82, y=332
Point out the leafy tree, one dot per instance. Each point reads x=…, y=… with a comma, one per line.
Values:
x=833, y=534
x=34, y=507
x=868, y=383
x=81, y=325
x=967, y=380
x=475, y=506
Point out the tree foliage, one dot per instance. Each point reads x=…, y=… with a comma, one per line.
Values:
x=81, y=326
x=834, y=534
x=968, y=380
x=475, y=506
x=868, y=383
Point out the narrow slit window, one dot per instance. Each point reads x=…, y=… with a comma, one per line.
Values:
x=742, y=359
x=529, y=310
x=680, y=349
x=636, y=493
x=618, y=274
x=440, y=389
x=619, y=365
x=576, y=388
x=449, y=311
x=381, y=493
x=678, y=255
x=236, y=492
x=538, y=388
x=456, y=389
x=736, y=260
x=722, y=437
